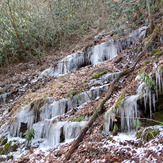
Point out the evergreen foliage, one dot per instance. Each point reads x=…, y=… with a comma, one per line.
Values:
x=146, y=79
x=29, y=29
x=29, y=135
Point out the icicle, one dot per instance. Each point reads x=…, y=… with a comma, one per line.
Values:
x=72, y=129
x=109, y=118
x=38, y=128
x=154, y=101
x=94, y=55
x=150, y=102
x=159, y=81
x=54, y=133
x=128, y=113
x=26, y=115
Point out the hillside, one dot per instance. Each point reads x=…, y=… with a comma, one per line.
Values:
x=99, y=102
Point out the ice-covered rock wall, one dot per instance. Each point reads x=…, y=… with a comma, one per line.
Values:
x=94, y=54
x=44, y=127
x=25, y=117
x=42, y=119
x=129, y=110
x=58, y=132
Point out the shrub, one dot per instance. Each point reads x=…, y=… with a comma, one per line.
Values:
x=29, y=135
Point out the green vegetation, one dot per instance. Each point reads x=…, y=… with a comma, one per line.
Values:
x=79, y=119
x=157, y=53
x=137, y=123
x=3, y=91
x=7, y=147
x=110, y=138
x=115, y=129
x=99, y=73
x=37, y=104
x=29, y=135
x=148, y=134
x=146, y=79
x=60, y=86
x=3, y=141
x=72, y=92
x=119, y=102
x=147, y=62
x=29, y=29
x=157, y=117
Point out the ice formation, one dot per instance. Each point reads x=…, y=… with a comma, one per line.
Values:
x=44, y=127
x=128, y=111
x=4, y=96
x=62, y=131
x=94, y=55
x=104, y=79
x=24, y=116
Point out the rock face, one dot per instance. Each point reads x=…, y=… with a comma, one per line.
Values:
x=94, y=55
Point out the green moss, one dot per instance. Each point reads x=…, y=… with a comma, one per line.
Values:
x=3, y=141
x=157, y=52
x=137, y=123
x=148, y=134
x=158, y=116
x=79, y=119
x=99, y=73
x=72, y=92
x=119, y=102
x=138, y=134
x=147, y=62
x=110, y=138
x=60, y=86
x=162, y=68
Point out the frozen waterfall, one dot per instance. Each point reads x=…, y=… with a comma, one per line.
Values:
x=128, y=110
x=93, y=55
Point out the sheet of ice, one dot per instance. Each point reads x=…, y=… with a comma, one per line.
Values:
x=125, y=136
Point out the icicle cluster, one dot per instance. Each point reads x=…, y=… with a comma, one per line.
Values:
x=128, y=110
x=44, y=126
x=93, y=55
